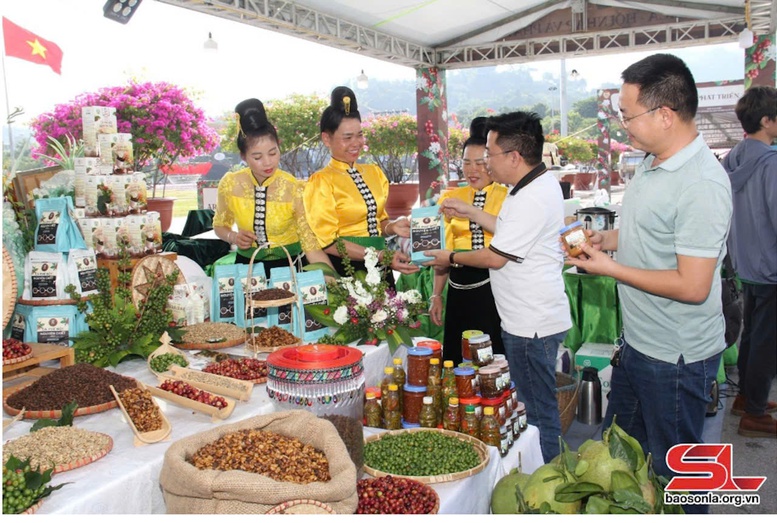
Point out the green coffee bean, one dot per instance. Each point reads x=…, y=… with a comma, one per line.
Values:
x=423, y=453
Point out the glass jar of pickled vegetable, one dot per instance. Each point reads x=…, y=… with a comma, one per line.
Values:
x=418, y=361
x=466, y=354
x=475, y=402
x=464, y=381
x=489, y=428
x=373, y=414
x=470, y=424
x=427, y=418
x=414, y=398
x=392, y=416
x=490, y=381
x=523, y=422
x=481, y=349
x=450, y=420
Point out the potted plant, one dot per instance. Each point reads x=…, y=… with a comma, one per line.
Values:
x=63, y=155
x=391, y=143
x=164, y=122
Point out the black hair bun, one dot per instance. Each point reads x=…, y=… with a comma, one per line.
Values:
x=337, y=99
x=252, y=104
x=477, y=127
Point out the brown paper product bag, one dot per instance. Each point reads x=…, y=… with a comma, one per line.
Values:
x=189, y=490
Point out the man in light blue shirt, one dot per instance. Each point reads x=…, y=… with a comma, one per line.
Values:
x=671, y=243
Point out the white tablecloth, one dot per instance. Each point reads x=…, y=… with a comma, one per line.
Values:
x=126, y=481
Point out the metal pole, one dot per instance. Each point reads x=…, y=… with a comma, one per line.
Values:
x=563, y=89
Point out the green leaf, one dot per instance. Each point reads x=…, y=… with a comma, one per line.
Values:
x=622, y=480
x=621, y=449
x=115, y=357
x=42, y=423
x=627, y=499
x=317, y=313
x=320, y=266
x=404, y=335
x=597, y=505
x=632, y=442
x=572, y=492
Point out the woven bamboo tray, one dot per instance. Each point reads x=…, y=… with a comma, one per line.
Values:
x=11, y=361
x=8, y=422
x=145, y=438
x=238, y=339
x=32, y=509
x=301, y=506
x=56, y=414
x=480, y=447
x=10, y=287
x=87, y=460
x=239, y=389
x=419, y=486
x=186, y=403
x=164, y=349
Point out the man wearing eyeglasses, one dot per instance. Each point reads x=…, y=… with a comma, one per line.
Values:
x=670, y=246
x=525, y=265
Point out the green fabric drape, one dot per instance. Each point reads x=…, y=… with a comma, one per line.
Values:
x=423, y=282
x=594, y=307
x=274, y=253
x=197, y=222
x=377, y=242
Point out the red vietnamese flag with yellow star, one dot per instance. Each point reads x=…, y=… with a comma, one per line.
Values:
x=21, y=43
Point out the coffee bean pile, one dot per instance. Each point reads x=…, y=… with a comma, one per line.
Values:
x=142, y=409
x=50, y=447
x=274, y=337
x=13, y=348
x=390, y=495
x=271, y=294
x=83, y=383
x=423, y=453
x=164, y=361
x=262, y=452
x=211, y=332
x=243, y=369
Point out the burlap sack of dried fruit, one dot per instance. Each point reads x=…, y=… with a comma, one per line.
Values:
x=189, y=490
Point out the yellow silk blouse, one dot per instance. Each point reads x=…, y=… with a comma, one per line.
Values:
x=335, y=207
x=285, y=221
x=457, y=233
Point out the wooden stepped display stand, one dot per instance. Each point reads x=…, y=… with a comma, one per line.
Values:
x=18, y=375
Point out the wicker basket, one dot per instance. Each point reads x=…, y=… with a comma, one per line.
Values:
x=568, y=388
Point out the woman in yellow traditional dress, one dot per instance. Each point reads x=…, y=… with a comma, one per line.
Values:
x=347, y=200
x=263, y=201
x=470, y=303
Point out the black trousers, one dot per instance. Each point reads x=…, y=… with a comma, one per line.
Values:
x=757, y=361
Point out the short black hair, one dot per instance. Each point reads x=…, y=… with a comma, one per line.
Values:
x=477, y=132
x=664, y=81
x=519, y=131
x=757, y=102
x=342, y=104
x=252, y=123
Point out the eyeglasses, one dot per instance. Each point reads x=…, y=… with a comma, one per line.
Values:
x=625, y=121
x=487, y=155
x=477, y=163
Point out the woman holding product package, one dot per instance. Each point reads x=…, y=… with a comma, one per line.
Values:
x=347, y=200
x=470, y=303
x=264, y=202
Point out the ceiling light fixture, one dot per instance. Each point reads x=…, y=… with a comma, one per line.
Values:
x=746, y=36
x=210, y=44
x=362, y=82
x=120, y=10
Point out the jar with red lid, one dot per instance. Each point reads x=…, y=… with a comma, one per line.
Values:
x=435, y=345
x=490, y=379
x=498, y=405
x=418, y=359
x=475, y=401
x=481, y=350
x=466, y=354
x=464, y=381
x=413, y=401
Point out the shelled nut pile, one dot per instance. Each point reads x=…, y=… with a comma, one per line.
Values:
x=142, y=409
x=213, y=379
x=211, y=332
x=274, y=337
x=262, y=452
x=50, y=447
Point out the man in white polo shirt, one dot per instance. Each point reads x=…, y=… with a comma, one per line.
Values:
x=525, y=264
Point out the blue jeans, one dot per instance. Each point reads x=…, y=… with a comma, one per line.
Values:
x=533, y=368
x=661, y=404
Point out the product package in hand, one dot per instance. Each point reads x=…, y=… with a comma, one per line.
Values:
x=427, y=232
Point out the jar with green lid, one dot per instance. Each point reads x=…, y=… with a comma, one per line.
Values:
x=475, y=402
x=427, y=418
x=481, y=349
x=469, y=422
x=466, y=354
x=373, y=414
x=489, y=381
x=450, y=420
x=489, y=428
x=392, y=416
